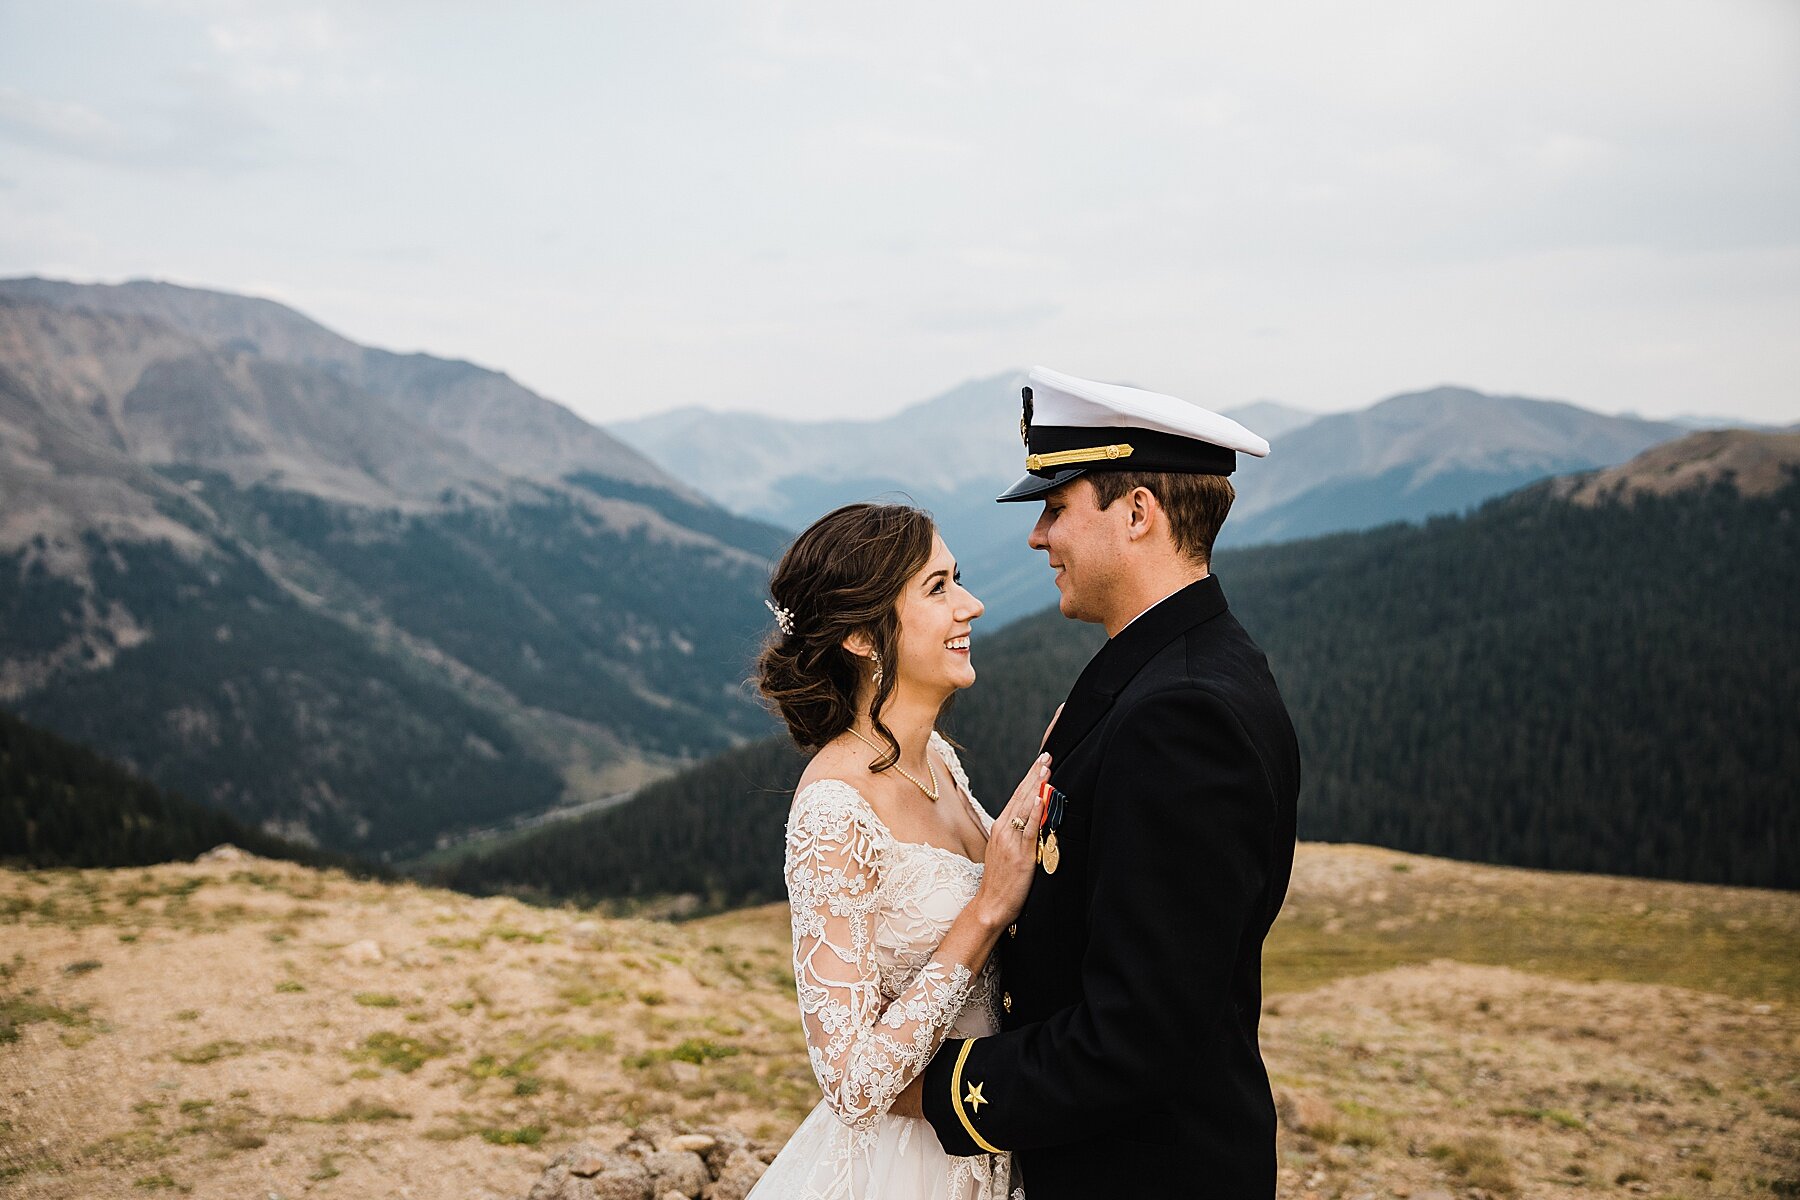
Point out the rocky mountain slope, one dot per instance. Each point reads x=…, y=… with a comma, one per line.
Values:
x=360, y=598
x=507, y=427
x=232, y=1028
x=1751, y=464
x=1420, y=454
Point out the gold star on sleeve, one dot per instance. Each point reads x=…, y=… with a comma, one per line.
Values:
x=970, y=1102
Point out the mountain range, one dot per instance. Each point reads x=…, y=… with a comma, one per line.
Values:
x=361, y=599
x=376, y=602
x=1593, y=673
x=1405, y=458
x=950, y=455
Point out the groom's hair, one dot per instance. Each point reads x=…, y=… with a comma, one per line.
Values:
x=1196, y=504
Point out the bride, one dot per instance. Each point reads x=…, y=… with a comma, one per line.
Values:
x=898, y=891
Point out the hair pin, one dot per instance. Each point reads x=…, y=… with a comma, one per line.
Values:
x=784, y=619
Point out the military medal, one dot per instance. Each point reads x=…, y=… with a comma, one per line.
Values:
x=1050, y=815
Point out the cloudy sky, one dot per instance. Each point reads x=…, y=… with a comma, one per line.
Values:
x=824, y=209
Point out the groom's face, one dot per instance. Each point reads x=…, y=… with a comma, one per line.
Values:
x=1084, y=543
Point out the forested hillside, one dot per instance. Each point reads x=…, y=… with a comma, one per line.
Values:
x=254, y=704
x=1605, y=687
x=64, y=806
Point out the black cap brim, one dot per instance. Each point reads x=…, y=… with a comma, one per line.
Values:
x=1032, y=487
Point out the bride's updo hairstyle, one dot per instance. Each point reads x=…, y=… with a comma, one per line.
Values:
x=844, y=575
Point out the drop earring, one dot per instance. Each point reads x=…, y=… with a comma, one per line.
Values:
x=876, y=659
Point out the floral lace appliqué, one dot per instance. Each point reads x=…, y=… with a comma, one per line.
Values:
x=868, y=914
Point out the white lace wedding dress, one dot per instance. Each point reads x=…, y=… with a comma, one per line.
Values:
x=869, y=912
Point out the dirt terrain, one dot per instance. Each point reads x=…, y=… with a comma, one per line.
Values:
x=245, y=1028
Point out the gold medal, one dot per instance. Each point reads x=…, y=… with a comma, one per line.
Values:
x=1049, y=855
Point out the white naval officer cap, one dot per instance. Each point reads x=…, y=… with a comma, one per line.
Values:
x=1072, y=426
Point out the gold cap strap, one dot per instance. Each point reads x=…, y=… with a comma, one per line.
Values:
x=956, y=1100
x=1062, y=458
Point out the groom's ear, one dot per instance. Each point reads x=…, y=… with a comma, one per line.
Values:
x=1143, y=514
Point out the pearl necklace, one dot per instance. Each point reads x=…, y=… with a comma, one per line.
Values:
x=932, y=792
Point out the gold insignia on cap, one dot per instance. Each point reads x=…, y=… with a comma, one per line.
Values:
x=1062, y=458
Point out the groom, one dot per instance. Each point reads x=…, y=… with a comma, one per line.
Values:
x=1127, y=1059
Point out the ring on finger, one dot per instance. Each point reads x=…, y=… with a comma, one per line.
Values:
x=1018, y=823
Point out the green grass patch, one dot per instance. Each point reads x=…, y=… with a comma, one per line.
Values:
x=16, y=1011
x=519, y=1064
x=584, y=995
x=14, y=908
x=376, y=1000
x=400, y=1051
x=209, y=1052
x=1549, y=1116
x=524, y=1135
x=508, y=933
x=1480, y=1162
x=365, y=1111
x=233, y=1126
x=690, y=1050
x=147, y=889
x=128, y=1147
x=290, y=985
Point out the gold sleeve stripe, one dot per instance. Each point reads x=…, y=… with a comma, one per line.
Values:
x=1062, y=458
x=956, y=1100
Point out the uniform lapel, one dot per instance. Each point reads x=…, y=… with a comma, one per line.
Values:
x=1119, y=661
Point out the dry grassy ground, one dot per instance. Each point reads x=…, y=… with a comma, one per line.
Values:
x=240, y=1029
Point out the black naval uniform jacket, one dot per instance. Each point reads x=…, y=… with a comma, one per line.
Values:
x=1127, y=1061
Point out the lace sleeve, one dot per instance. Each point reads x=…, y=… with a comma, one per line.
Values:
x=863, y=1052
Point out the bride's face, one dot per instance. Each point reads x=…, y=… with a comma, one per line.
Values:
x=935, y=613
